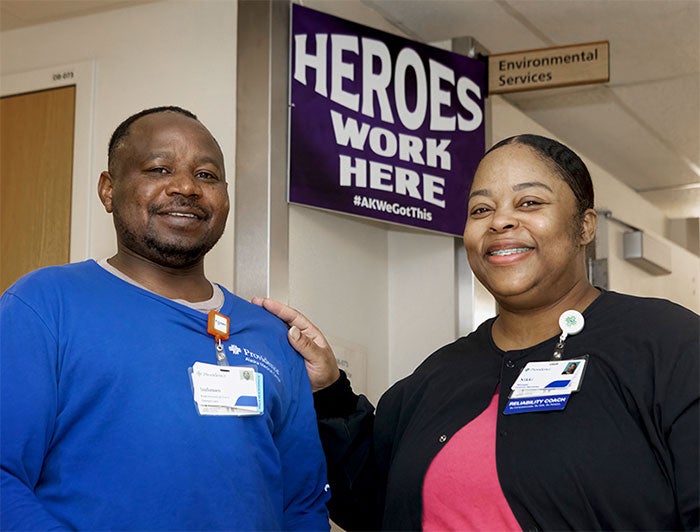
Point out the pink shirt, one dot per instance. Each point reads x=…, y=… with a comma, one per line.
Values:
x=461, y=490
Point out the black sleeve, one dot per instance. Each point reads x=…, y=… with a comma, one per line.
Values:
x=346, y=424
x=679, y=407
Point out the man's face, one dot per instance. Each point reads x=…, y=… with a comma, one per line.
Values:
x=167, y=190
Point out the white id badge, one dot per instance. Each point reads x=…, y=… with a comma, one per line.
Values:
x=561, y=375
x=226, y=390
x=545, y=386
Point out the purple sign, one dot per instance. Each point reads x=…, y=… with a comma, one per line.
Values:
x=381, y=126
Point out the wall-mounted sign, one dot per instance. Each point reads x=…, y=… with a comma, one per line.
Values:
x=380, y=126
x=577, y=64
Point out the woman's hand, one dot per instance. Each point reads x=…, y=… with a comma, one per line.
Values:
x=308, y=340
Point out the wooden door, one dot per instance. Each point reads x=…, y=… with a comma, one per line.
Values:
x=36, y=167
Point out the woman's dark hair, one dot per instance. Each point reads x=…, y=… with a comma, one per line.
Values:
x=564, y=161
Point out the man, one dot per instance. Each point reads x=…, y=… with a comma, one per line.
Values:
x=136, y=394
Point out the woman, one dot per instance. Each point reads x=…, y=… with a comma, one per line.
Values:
x=454, y=447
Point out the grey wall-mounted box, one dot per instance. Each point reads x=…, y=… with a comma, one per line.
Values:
x=647, y=252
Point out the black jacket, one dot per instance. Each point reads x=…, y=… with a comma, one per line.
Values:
x=623, y=455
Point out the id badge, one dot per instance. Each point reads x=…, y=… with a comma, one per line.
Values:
x=545, y=386
x=226, y=390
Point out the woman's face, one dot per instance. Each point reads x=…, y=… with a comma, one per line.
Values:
x=524, y=240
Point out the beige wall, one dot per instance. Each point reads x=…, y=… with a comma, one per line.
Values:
x=166, y=53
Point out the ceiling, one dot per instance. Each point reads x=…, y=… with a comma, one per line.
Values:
x=643, y=126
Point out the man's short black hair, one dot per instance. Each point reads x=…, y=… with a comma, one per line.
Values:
x=123, y=129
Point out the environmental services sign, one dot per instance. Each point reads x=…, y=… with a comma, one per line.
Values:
x=545, y=68
x=380, y=126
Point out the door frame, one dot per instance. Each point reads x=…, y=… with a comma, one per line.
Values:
x=82, y=75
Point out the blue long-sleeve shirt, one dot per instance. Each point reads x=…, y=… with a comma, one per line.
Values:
x=99, y=428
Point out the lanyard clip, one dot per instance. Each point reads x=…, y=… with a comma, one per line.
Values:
x=570, y=322
x=559, y=348
x=221, y=359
